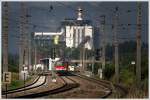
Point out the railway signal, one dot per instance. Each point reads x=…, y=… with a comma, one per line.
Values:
x=53, y=53
x=56, y=39
x=7, y=77
x=53, y=56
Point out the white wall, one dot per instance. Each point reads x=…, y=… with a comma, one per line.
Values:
x=77, y=31
x=89, y=32
x=69, y=36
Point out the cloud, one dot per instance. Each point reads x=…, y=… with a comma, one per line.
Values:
x=95, y=4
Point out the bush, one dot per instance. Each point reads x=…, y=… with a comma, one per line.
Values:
x=127, y=77
x=96, y=67
x=144, y=69
x=15, y=84
x=109, y=71
x=145, y=84
x=13, y=68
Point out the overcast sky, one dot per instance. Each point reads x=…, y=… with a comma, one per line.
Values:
x=44, y=19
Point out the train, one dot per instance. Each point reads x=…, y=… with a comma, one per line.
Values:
x=61, y=68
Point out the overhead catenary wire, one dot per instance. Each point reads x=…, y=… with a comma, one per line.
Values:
x=33, y=25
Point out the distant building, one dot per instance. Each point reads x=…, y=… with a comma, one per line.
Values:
x=77, y=31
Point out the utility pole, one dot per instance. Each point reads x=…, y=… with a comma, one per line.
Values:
x=86, y=59
x=5, y=23
x=103, y=43
x=35, y=55
x=83, y=52
x=138, y=40
x=23, y=39
x=30, y=67
x=53, y=56
x=81, y=61
x=21, y=50
x=24, y=11
x=115, y=31
x=83, y=57
x=93, y=59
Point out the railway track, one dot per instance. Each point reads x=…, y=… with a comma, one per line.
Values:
x=28, y=87
x=106, y=85
x=67, y=86
x=20, y=88
x=110, y=86
x=117, y=89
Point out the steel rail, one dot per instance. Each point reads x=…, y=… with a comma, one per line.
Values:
x=98, y=82
x=28, y=88
x=108, y=85
x=67, y=86
x=22, y=87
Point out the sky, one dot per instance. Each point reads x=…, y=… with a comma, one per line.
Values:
x=44, y=19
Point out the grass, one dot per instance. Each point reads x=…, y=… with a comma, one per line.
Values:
x=137, y=93
x=15, y=83
x=127, y=79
